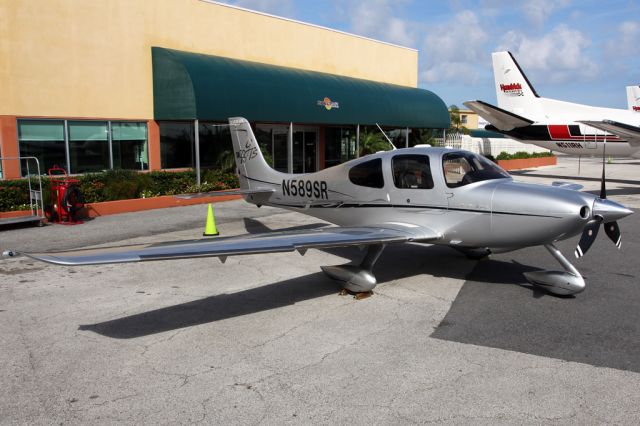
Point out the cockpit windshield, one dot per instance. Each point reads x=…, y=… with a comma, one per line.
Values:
x=462, y=168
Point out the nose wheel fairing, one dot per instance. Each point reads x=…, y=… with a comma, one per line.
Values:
x=562, y=283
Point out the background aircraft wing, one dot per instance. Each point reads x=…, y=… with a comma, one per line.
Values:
x=271, y=242
x=500, y=118
x=625, y=131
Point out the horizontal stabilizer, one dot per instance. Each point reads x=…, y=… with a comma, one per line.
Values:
x=622, y=130
x=272, y=242
x=258, y=196
x=500, y=118
x=265, y=191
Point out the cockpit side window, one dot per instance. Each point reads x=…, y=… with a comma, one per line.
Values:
x=368, y=174
x=463, y=168
x=411, y=172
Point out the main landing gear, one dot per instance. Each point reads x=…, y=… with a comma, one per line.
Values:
x=558, y=282
x=357, y=279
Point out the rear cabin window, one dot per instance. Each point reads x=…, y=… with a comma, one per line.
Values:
x=412, y=172
x=368, y=174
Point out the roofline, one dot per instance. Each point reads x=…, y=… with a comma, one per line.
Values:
x=307, y=24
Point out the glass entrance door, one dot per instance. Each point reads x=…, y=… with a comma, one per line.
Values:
x=305, y=146
x=305, y=159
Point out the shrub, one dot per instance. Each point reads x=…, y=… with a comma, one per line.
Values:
x=522, y=155
x=120, y=185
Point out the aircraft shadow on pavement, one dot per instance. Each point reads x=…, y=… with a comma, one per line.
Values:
x=414, y=260
x=218, y=307
x=600, y=326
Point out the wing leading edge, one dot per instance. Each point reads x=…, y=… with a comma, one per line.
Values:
x=272, y=242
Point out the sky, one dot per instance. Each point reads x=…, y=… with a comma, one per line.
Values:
x=582, y=51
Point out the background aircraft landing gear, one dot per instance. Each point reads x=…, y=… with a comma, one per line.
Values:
x=558, y=282
x=357, y=279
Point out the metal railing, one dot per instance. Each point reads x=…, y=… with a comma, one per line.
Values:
x=36, y=201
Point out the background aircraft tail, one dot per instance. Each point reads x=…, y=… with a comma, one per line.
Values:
x=633, y=98
x=253, y=170
x=513, y=89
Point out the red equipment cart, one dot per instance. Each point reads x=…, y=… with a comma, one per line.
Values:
x=66, y=198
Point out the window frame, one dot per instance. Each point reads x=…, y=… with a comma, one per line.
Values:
x=427, y=179
x=66, y=137
x=362, y=165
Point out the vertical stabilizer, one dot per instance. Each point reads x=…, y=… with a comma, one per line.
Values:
x=633, y=98
x=252, y=168
x=513, y=89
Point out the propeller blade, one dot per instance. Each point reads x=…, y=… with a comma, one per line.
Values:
x=613, y=232
x=603, y=189
x=588, y=237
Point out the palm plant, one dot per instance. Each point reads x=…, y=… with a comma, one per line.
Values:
x=372, y=142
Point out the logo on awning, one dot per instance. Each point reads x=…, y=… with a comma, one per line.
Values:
x=328, y=104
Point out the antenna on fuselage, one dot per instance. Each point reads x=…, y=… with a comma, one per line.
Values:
x=385, y=136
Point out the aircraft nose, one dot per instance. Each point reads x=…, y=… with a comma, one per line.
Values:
x=609, y=211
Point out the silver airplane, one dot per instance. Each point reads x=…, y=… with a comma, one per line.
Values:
x=421, y=195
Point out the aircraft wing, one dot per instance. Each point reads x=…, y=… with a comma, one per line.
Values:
x=271, y=242
x=625, y=131
x=500, y=118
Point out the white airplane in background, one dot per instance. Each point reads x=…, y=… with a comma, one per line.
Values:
x=633, y=98
x=560, y=126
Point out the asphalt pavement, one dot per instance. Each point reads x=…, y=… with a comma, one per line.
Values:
x=266, y=339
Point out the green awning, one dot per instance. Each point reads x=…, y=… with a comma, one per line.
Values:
x=189, y=86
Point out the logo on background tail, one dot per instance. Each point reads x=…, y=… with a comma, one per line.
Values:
x=512, y=89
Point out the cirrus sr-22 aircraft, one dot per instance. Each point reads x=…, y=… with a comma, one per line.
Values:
x=560, y=126
x=422, y=195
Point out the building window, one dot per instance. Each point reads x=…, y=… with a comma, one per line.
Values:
x=90, y=146
x=176, y=144
x=463, y=119
x=216, y=148
x=43, y=139
x=340, y=145
x=129, y=146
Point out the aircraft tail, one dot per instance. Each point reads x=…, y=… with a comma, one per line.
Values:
x=633, y=98
x=513, y=89
x=253, y=170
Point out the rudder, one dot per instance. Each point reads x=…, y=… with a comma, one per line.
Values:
x=633, y=98
x=251, y=165
x=513, y=89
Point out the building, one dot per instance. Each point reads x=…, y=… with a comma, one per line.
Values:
x=95, y=85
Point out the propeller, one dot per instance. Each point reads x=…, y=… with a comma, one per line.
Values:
x=600, y=210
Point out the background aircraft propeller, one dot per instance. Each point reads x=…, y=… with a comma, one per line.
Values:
x=591, y=230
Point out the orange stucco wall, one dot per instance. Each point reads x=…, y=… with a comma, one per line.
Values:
x=9, y=146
